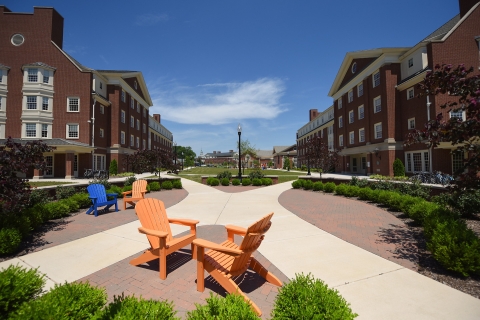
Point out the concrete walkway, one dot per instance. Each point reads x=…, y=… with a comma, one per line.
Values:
x=375, y=287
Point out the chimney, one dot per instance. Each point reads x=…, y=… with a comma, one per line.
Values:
x=313, y=114
x=214, y=152
x=465, y=6
x=156, y=117
x=54, y=22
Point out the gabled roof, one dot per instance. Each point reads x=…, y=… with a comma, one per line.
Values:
x=220, y=154
x=77, y=64
x=39, y=64
x=264, y=153
x=443, y=30
x=4, y=66
x=109, y=74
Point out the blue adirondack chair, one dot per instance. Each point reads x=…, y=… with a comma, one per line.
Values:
x=98, y=196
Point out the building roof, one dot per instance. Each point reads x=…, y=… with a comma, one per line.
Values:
x=414, y=75
x=4, y=66
x=117, y=71
x=262, y=154
x=50, y=142
x=277, y=149
x=219, y=154
x=39, y=64
x=443, y=30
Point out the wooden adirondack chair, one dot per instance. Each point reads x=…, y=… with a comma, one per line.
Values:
x=98, y=196
x=156, y=225
x=139, y=188
x=228, y=260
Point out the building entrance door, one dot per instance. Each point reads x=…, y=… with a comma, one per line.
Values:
x=364, y=166
x=75, y=166
x=354, y=165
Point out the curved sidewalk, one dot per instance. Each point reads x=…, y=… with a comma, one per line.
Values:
x=376, y=287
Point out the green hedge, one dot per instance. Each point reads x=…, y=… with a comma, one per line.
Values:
x=231, y=307
x=177, y=184
x=246, y=182
x=131, y=307
x=257, y=182
x=167, y=185
x=154, y=186
x=235, y=182
x=225, y=182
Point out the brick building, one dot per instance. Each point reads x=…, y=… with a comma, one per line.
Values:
x=375, y=103
x=90, y=116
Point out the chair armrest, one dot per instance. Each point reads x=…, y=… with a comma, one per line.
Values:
x=151, y=232
x=183, y=222
x=112, y=195
x=127, y=192
x=236, y=229
x=214, y=246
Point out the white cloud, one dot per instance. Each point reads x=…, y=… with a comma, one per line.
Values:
x=220, y=103
x=150, y=19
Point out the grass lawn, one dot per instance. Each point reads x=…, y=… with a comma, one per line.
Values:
x=195, y=174
x=46, y=183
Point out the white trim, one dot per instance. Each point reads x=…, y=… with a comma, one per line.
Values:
x=350, y=95
x=373, y=79
x=358, y=89
x=379, y=98
x=378, y=124
x=362, y=107
x=122, y=137
x=68, y=131
x=68, y=104
x=360, y=135
x=410, y=127
x=340, y=140
x=122, y=116
x=410, y=96
x=351, y=137
x=351, y=116
x=340, y=122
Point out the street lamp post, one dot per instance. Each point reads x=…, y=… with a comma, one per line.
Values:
x=308, y=158
x=288, y=157
x=183, y=160
x=239, y=129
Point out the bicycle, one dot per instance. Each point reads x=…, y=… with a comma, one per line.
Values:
x=88, y=174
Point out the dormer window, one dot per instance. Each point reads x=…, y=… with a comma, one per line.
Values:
x=410, y=62
x=32, y=75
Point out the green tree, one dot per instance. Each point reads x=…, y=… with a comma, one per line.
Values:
x=184, y=153
x=398, y=168
x=286, y=163
x=113, y=169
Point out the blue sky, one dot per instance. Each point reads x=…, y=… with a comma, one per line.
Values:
x=210, y=65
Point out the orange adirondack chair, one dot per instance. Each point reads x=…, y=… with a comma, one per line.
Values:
x=139, y=188
x=156, y=225
x=228, y=260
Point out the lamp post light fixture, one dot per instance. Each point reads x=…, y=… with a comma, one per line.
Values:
x=239, y=129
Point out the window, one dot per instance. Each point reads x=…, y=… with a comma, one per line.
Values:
x=459, y=114
x=122, y=116
x=377, y=104
x=339, y=103
x=135, y=84
x=122, y=137
x=138, y=142
x=46, y=76
x=411, y=123
x=410, y=62
x=361, y=135
x=31, y=102
x=361, y=112
x=457, y=161
x=144, y=112
x=340, y=121
x=123, y=96
x=73, y=104
x=32, y=75
x=99, y=162
x=376, y=79
x=101, y=85
x=354, y=67
x=138, y=124
x=138, y=107
x=360, y=90
x=102, y=109
x=30, y=130
x=350, y=96
x=45, y=104
x=132, y=122
x=417, y=161
x=44, y=130
x=378, y=130
x=340, y=140
x=144, y=128
x=49, y=166
x=351, y=117
x=132, y=103
x=72, y=131
x=132, y=140
x=101, y=133
x=352, y=137
x=410, y=94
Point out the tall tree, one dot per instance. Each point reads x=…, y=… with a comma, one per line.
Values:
x=151, y=161
x=319, y=156
x=464, y=89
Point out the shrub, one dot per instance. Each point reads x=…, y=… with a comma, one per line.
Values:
x=167, y=185
x=318, y=186
x=420, y=210
x=126, y=188
x=39, y=196
x=257, y=182
x=308, y=298
x=82, y=199
x=352, y=191
x=113, y=168
x=395, y=201
x=303, y=168
x=267, y=181
x=246, y=182
x=214, y=182
x=35, y=216
x=231, y=307
x=154, y=186
x=129, y=181
x=414, y=189
x=131, y=307
x=384, y=196
x=72, y=205
x=10, y=239
x=103, y=182
x=329, y=187
x=296, y=184
x=117, y=190
x=407, y=202
x=64, y=192
x=235, y=182
x=256, y=173
x=341, y=189
x=398, y=168
x=382, y=185
x=358, y=182
x=225, y=182
x=365, y=193
x=177, y=184
x=18, y=285
x=225, y=174
x=308, y=185
x=55, y=210
x=465, y=204
x=67, y=301
x=209, y=180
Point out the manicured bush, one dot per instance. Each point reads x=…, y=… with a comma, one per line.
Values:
x=318, y=186
x=420, y=210
x=302, y=181
x=64, y=192
x=127, y=188
x=39, y=196
x=246, y=182
x=113, y=168
x=365, y=193
x=308, y=298
x=154, y=186
x=352, y=191
x=414, y=189
x=129, y=181
x=214, y=182
x=177, y=184
x=358, y=182
x=225, y=174
x=256, y=173
x=257, y=182
x=341, y=189
x=82, y=199
x=395, y=201
x=55, y=210
x=10, y=239
x=384, y=196
x=407, y=202
x=71, y=204
x=297, y=184
x=267, y=181
x=131, y=307
x=225, y=182
x=209, y=180
x=103, y=182
x=235, y=182
x=67, y=301
x=167, y=185
x=308, y=185
x=117, y=190
x=382, y=185
x=231, y=307
x=35, y=216
x=398, y=168
x=329, y=187
x=465, y=204
x=17, y=286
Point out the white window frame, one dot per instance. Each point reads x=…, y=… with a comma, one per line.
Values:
x=340, y=122
x=361, y=135
x=45, y=76
x=43, y=103
x=32, y=75
x=44, y=133
x=132, y=103
x=99, y=162
x=102, y=133
x=410, y=93
x=29, y=127
x=410, y=160
x=135, y=85
x=410, y=122
x=33, y=103
x=340, y=140
x=410, y=62
x=360, y=89
x=144, y=128
x=339, y=103
x=1, y=76
x=1, y=102
x=350, y=96
x=376, y=79
x=122, y=116
x=375, y=126
x=123, y=96
x=138, y=142
x=351, y=137
x=132, y=121
x=351, y=116
x=138, y=124
x=144, y=144
x=132, y=140
x=122, y=137
x=361, y=114
x=69, y=106
x=102, y=109
x=455, y=162
x=68, y=130
x=456, y=114
x=377, y=107
x=138, y=107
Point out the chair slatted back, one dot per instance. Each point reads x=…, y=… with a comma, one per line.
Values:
x=138, y=187
x=251, y=241
x=152, y=215
x=98, y=191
